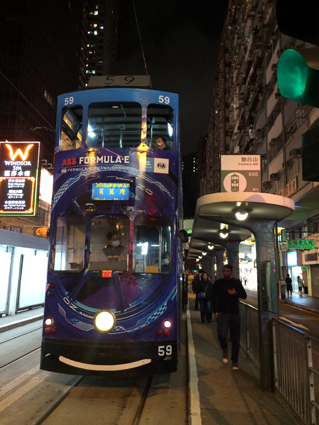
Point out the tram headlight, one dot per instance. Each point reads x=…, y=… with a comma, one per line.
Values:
x=167, y=324
x=104, y=321
x=49, y=321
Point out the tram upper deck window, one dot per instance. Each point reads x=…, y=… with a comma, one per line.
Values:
x=69, y=244
x=115, y=125
x=109, y=243
x=71, y=128
x=152, y=244
x=160, y=128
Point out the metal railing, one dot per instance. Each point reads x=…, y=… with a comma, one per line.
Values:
x=296, y=362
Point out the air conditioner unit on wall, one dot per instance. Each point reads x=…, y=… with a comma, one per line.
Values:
x=295, y=153
x=274, y=176
x=287, y=165
x=267, y=184
x=277, y=95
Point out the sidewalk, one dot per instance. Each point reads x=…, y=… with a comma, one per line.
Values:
x=305, y=302
x=224, y=396
x=20, y=319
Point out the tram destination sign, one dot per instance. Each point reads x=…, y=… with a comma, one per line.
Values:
x=300, y=244
x=19, y=170
x=240, y=173
x=111, y=191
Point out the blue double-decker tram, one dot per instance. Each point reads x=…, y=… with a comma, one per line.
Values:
x=112, y=297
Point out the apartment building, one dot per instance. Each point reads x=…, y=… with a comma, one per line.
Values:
x=249, y=116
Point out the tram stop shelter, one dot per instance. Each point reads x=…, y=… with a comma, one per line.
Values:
x=215, y=214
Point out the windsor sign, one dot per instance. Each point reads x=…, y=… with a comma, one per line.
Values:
x=19, y=167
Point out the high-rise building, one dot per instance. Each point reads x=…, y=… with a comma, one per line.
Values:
x=249, y=116
x=190, y=183
x=41, y=57
x=102, y=35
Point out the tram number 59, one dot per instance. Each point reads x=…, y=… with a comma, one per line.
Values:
x=165, y=350
x=164, y=99
x=68, y=100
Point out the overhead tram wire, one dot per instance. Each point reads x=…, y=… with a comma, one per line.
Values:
x=139, y=34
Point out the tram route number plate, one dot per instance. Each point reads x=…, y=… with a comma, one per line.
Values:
x=165, y=350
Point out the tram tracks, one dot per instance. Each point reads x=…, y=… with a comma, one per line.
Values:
x=19, y=358
x=20, y=335
x=19, y=346
x=136, y=414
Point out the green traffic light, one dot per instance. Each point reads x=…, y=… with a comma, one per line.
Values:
x=296, y=80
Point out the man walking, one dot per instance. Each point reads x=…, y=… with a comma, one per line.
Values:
x=226, y=293
x=195, y=286
x=289, y=285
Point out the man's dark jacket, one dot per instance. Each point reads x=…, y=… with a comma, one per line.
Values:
x=222, y=301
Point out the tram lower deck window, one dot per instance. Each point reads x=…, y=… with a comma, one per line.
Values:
x=152, y=245
x=109, y=242
x=69, y=244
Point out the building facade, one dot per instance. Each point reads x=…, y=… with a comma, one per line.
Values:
x=249, y=116
x=41, y=57
x=102, y=35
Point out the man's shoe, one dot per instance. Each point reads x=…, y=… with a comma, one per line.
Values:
x=225, y=356
x=234, y=366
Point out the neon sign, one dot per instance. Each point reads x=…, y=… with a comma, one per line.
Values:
x=23, y=156
x=19, y=164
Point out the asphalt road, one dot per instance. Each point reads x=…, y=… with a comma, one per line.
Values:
x=303, y=320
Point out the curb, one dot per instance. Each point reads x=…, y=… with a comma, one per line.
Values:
x=18, y=323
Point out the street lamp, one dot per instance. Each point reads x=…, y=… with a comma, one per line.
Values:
x=241, y=214
x=223, y=234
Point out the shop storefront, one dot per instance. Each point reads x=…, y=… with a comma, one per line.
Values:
x=24, y=261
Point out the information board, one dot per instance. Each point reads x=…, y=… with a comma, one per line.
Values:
x=240, y=173
x=19, y=170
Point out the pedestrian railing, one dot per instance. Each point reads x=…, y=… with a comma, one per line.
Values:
x=296, y=362
x=249, y=333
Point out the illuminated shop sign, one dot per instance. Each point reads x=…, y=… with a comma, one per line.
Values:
x=110, y=191
x=300, y=244
x=292, y=259
x=19, y=164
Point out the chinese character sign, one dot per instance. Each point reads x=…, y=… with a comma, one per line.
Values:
x=19, y=163
x=110, y=191
x=300, y=244
x=240, y=173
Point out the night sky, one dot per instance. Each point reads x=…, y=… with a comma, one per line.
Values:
x=180, y=41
